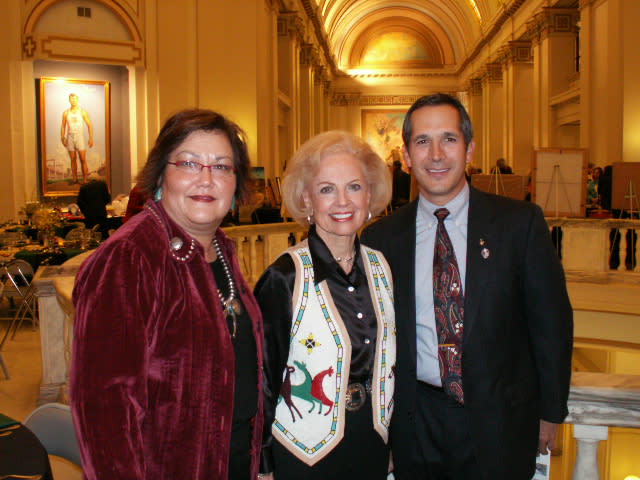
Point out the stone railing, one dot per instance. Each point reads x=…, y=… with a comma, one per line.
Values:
x=597, y=250
x=259, y=245
x=598, y=401
x=592, y=250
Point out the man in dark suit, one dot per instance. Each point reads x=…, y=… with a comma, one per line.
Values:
x=514, y=318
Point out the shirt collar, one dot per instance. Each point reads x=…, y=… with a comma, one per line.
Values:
x=324, y=265
x=458, y=207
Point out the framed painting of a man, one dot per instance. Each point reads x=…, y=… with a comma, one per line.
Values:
x=382, y=129
x=75, y=133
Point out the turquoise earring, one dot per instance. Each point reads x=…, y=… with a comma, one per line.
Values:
x=158, y=195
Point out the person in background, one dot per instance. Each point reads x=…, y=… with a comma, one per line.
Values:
x=166, y=377
x=137, y=199
x=485, y=327
x=502, y=167
x=93, y=198
x=593, y=195
x=604, y=187
x=329, y=322
x=470, y=170
x=401, y=185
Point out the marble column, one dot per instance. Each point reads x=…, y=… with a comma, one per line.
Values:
x=588, y=437
x=598, y=401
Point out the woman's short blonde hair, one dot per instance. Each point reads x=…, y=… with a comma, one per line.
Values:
x=304, y=163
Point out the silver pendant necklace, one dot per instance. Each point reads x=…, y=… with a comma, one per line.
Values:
x=346, y=259
x=231, y=305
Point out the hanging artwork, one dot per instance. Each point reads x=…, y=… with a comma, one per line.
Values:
x=75, y=133
x=382, y=129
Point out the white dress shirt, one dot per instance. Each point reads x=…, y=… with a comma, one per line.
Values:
x=426, y=225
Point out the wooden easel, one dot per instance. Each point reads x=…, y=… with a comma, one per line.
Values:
x=497, y=176
x=555, y=184
x=633, y=200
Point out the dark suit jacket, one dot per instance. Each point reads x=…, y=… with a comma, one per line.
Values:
x=518, y=332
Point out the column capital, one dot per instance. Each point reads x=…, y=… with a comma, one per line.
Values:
x=475, y=87
x=309, y=55
x=492, y=72
x=553, y=21
x=515, y=52
x=320, y=74
x=326, y=87
x=291, y=23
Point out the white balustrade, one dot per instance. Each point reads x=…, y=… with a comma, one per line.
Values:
x=259, y=245
x=598, y=401
x=598, y=250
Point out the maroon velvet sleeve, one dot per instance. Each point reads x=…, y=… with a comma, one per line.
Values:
x=108, y=393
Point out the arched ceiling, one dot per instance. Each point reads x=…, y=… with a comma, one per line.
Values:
x=396, y=35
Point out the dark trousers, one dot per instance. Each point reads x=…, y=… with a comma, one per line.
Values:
x=444, y=449
x=361, y=454
x=239, y=456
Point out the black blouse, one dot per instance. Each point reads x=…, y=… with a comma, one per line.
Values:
x=351, y=296
x=245, y=401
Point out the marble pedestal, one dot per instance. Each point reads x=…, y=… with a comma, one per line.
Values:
x=53, y=286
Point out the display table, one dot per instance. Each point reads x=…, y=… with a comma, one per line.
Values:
x=54, y=287
x=36, y=257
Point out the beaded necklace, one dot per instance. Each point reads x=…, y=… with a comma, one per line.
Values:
x=175, y=243
x=231, y=305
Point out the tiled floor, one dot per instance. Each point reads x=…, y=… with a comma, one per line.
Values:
x=19, y=394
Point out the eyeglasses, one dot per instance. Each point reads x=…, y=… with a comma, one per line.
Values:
x=192, y=167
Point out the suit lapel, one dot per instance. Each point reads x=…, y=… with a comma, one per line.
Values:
x=403, y=254
x=479, y=238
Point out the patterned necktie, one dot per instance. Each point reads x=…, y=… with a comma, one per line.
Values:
x=448, y=302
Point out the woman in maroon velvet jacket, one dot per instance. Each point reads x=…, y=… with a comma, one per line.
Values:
x=166, y=378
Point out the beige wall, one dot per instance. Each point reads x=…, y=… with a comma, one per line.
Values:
x=630, y=82
x=228, y=56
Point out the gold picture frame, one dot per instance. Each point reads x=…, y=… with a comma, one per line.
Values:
x=74, y=130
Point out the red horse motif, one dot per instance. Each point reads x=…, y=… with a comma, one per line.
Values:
x=318, y=392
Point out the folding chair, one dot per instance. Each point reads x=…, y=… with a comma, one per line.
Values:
x=16, y=283
x=3, y=365
x=52, y=423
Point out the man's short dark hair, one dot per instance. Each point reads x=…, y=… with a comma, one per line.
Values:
x=432, y=101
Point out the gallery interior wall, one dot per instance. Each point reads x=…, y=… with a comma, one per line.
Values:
x=118, y=78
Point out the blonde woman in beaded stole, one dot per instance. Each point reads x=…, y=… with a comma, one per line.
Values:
x=329, y=321
x=166, y=379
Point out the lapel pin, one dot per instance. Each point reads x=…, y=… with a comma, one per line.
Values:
x=485, y=253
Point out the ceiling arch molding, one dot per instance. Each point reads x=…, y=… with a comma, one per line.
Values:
x=428, y=45
x=129, y=49
x=346, y=20
x=426, y=28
